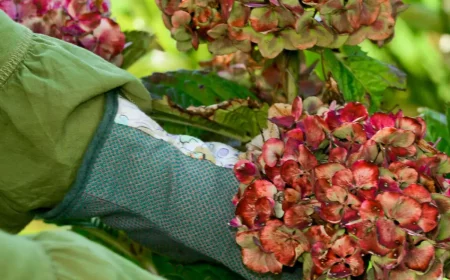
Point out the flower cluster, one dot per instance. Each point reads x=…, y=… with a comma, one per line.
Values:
x=337, y=189
x=85, y=23
x=277, y=25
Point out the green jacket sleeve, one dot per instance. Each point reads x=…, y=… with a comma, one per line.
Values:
x=54, y=255
x=52, y=96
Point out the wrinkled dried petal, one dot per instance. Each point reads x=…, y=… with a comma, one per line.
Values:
x=313, y=132
x=306, y=159
x=429, y=219
x=365, y=174
x=286, y=244
x=389, y=235
x=371, y=210
x=327, y=170
x=418, y=192
x=298, y=216
x=420, y=257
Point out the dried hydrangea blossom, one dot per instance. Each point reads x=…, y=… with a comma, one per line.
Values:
x=84, y=23
x=277, y=25
x=347, y=188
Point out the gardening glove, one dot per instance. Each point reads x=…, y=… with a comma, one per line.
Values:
x=67, y=151
x=54, y=255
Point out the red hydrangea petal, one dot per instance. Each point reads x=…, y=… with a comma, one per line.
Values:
x=368, y=238
x=283, y=121
x=290, y=170
x=245, y=171
x=389, y=235
x=291, y=197
x=420, y=257
x=252, y=255
x=331, y=212
x=327, y=170
x=410, y=124
x=344, y=246
x=442, y=202
x=306, y=159
x=401, y=273
x=429, y=219
x=418, y=192
x=365, y=174
x=313, y=132
x=338, y=155
x=320, y=189
x=297, y=108
x=406, y=211
x=381, y=120
x=272, y=150
x=296, y=134
x=351, y=132
x=260, y=261
x=110, y=38
x=261, y=188
x=354, y=112
x=291, y=151
x=394, y=137
x=264, y=209
x=336, y=194
x=10, y=8
x=318, y=234
x=343, y=178
x=371, y=210
x=298, y=216
x=89, y=21
x=356, y=264
x=388, y=200
x=286, y=244
x=246, y=210
x=274, y=175
x=303, y=185
x=435, y=272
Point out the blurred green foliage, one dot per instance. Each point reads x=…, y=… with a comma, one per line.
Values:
x=421, y=48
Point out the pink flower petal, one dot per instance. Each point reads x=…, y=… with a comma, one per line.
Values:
x=89, y=21
x=272, y=151
x=394, y=137
x=10, y=8
x=406, y=211
x=291, y=197
x=111, y=39
x=340, y=271
x=336, y=194
x=318, y=234
x=351, y=132
x=356, y=264
x=274, y=175
x=344, y=246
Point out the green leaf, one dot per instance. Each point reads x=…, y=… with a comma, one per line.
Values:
x=140, y=43
x=438, y=127
x=237, y=118
x=359, y=75
x=195, y=88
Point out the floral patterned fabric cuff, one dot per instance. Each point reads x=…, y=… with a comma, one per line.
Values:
x=220, y=154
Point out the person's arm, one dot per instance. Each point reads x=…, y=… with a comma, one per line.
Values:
x=54, y=255
x=52, y=98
